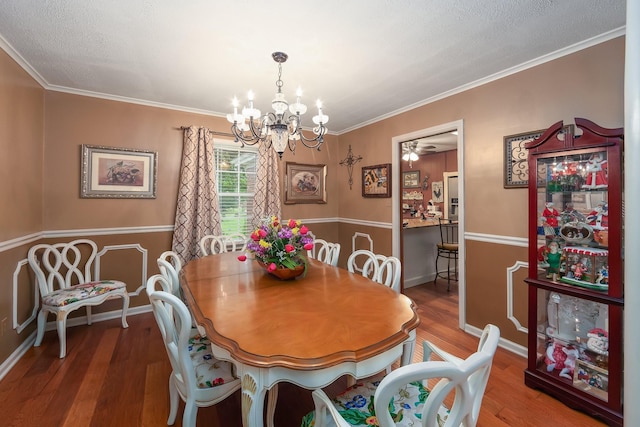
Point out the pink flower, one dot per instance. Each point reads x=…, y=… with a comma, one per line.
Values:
x=242, y=257
x=272, y=267
x=308, y=246
x=255, y=236
x=292, y=223
x=289, y=248
x=262, y=233
x=304, y=230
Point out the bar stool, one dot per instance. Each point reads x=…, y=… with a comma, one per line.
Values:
x=448, y=249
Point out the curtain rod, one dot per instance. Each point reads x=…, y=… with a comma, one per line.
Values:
x=212, y=131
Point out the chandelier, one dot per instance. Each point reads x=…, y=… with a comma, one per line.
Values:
x=278, y=128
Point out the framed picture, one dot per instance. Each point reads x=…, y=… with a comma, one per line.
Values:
x=376, y=180
x=592, y=379
x=305, y=183
x=109, y=172
x=437, y=191
x=411, y=179
x=516, y=167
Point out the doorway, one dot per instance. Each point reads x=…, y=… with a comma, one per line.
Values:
x=396, y=202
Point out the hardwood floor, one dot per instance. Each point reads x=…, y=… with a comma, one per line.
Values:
x=118, y=377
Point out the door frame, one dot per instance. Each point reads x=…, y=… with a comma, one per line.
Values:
x=396, y=201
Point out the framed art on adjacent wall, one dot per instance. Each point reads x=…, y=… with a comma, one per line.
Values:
x=376, y=180
x=305, y=183
x=516, y=169
x=110, y=172
x=411, y=179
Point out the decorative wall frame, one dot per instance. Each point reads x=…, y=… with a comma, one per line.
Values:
x=305, y=183
x=516, y=168
x=411, y=179
x=376, y=180
x=110, y=172
x=437, y=191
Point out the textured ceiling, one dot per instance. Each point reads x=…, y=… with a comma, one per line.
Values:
x=364, y=59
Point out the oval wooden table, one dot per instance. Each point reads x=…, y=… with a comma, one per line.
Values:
x=309, y=331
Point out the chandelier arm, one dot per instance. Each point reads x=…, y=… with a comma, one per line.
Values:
x=298, y=130
x=241, y=137
x=318, y=140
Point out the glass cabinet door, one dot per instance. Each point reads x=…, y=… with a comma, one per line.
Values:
x=573, y=342
x=572, y=223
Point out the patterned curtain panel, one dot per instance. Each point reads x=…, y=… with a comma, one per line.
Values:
x=197, y=209
x=266, y=199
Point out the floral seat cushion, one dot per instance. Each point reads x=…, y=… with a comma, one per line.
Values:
x=210, y=372
x=355, y=405
x=83, y=291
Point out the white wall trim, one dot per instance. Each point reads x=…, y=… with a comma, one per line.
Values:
x=501, y=240
x=515, y=267
x=505, y=344
x=19, y=241
x=121, y=247
x=106, y=231
x=19, y=327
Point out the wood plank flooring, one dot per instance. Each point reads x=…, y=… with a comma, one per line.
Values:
x=119, y=377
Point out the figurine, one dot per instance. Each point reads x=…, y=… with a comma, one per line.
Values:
x=580, y=268
x=561, y=358
x=598, y=341
x=603, y=275
x=596, y=173
x=570, y=214
x=599, y=217
x=550, y=216
x=553, y=257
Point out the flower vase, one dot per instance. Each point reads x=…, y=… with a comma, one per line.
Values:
x=284, y=273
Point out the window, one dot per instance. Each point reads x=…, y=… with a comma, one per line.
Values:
x=236, y=179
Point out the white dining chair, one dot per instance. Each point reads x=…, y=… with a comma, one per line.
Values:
x=212, y=244
x=386, y=270
x=404, y=397
x=63, y=272
x=197, y=377
x=324, y=251
x=169, y=264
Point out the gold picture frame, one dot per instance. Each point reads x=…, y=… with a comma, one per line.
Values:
x=110, y=172
x=305, y=183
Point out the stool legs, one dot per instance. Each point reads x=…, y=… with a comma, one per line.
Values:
x=450, y=256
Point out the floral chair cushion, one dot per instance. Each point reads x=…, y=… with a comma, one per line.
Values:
x=83, y=291
x=210, y=372
x=355, y=405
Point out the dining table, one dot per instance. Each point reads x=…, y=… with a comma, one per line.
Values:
x=308, y=331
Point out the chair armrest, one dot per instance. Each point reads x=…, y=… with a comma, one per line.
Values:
x=429, y=348
x=324, y=407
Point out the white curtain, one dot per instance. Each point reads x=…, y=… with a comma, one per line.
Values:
x=266, y=199
x=197, y=211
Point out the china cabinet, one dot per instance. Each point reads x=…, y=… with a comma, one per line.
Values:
x=576, y=289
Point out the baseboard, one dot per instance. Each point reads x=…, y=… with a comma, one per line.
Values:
x=10, y=362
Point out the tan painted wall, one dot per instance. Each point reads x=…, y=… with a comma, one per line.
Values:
x=586, y=84
x=73, y=120
x=21, y=162
x=21, y=145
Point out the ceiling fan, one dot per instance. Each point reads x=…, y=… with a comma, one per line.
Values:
x=412, y=149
